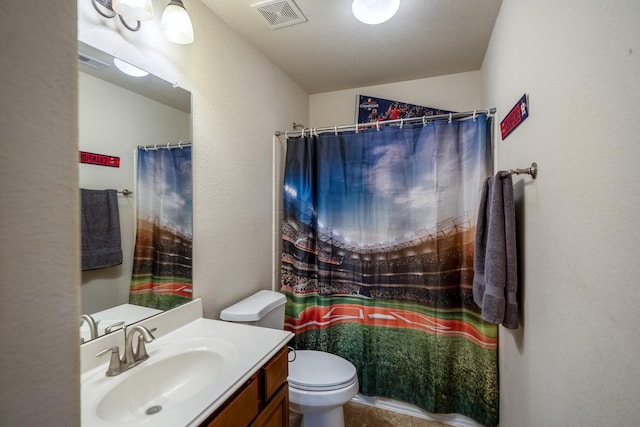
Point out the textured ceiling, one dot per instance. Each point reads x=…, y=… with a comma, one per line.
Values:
x=333, y=51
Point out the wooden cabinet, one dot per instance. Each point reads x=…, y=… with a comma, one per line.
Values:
x=263, y=401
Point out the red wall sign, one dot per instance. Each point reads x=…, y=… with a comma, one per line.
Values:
x=518, y=114
x=99, y=159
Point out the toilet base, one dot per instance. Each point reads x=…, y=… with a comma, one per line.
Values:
x=330, y=418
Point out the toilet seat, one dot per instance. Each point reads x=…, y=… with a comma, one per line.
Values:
x=320, y=371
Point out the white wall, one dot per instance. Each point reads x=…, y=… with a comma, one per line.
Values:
x=239, y=99
x=575, y=361
x=140, y=121
x=39, y=215
x=456, y=92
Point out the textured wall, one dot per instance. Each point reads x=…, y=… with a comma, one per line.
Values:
x=575, y=359
x=39, y=210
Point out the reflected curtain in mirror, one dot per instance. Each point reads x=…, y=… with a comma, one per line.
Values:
x=161, y=275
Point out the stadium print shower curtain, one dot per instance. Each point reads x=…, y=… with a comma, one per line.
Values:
x=377, y=264
x=161, y=276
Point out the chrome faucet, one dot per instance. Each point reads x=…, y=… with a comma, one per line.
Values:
x=131, y=358
x=93, y=325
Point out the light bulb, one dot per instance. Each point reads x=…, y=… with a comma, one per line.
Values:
x=176, y=24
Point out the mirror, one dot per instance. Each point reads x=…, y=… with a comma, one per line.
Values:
x=117, y=113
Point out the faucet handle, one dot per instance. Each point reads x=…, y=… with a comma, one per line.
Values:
x=115, y=364
x=141, y=349
x=111, y=328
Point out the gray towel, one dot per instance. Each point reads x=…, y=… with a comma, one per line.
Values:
x=495, y=260
x=100, y=229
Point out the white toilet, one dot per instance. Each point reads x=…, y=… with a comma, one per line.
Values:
x=320, y=383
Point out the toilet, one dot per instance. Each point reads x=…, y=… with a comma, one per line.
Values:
x=320, y=383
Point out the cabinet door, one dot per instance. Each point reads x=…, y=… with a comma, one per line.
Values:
x=275, y=373
x=276, y=414
x=241, y=409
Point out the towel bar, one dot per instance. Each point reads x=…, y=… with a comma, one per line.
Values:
x=531, y=170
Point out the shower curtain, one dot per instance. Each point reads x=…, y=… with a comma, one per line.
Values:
x=377, y=264
x=161, y=276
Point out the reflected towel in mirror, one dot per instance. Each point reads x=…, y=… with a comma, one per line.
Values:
x=100, y=229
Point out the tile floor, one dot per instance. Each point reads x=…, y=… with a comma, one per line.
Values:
x=359, y=415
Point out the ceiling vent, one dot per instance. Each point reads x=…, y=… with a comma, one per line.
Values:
x=91, y=62
x=280, y=13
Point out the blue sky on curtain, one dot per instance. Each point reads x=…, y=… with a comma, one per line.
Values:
x=377, y=265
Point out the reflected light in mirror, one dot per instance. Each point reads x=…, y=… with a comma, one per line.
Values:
x=374, y=11
x=128, y=69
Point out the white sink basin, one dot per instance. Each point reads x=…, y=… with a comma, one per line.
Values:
x=160, y=386
x=190, y=373
x=155, y=390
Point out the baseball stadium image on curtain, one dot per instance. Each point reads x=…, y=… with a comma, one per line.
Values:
x=377, y=264
x=161, y=276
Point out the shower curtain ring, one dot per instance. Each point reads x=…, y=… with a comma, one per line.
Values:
x=424, y=120
x=378, y=125
x=286, y=134
x=335, y=129
x=168, y=148
x=449, y=117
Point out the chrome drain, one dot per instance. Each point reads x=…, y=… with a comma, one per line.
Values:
x=153, y=410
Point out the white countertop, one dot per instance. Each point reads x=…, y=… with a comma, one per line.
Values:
x=250, y=346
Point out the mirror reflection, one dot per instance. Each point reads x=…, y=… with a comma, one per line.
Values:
x=117, y=114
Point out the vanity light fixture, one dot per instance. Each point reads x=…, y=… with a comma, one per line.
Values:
x=128, y=69
x=176, y=24
x=140, y=10
x=124, y=11
x=374, y=11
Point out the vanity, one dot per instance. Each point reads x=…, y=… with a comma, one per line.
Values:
x=263, y=401
x=200, y=372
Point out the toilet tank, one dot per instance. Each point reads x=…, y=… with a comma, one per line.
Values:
x=264, y=308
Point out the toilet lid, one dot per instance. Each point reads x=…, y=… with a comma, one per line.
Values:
x=320, y=371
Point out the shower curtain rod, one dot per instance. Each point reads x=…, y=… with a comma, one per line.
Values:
x=356, y=126
x=169, y=146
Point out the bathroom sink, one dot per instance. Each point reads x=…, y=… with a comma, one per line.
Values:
x=191, y=371
x=158, y=389
x=160, y=386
